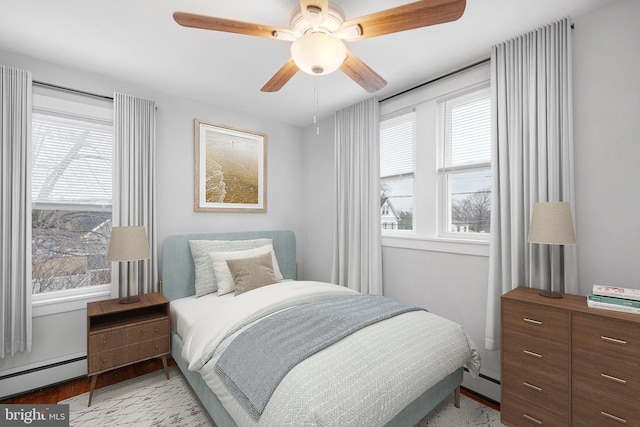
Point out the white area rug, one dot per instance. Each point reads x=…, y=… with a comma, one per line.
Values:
x=151, y=400
x=471, y=413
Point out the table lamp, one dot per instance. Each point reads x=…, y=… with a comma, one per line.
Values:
x=552, y=224
x=128, y=244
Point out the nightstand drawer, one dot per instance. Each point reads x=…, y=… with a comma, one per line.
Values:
x=612, y=376
x=147, y=331
x=546, y=357
x=535, y=320
x=550, y=392
x=106, y=359
x=606, y=336
x=124, y=355
x=517, y=412
x=128, y=335
x=591, y=408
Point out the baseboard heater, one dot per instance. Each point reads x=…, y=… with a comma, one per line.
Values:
x=42, y=368
x=36, y=378
x=487, y=378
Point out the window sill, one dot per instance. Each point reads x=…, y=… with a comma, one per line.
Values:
x=68, y=300
x=435, y=244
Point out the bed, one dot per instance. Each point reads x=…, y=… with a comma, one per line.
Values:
x=352, y=382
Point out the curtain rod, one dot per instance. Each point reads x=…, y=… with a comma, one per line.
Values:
x=76, y=91
x=482, y=61
x=437, y=78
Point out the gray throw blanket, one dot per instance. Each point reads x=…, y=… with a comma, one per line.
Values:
x=258, y=358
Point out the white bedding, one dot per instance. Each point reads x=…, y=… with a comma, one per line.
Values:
x=365, y=379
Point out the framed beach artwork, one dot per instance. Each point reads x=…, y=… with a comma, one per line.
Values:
x=230, y=169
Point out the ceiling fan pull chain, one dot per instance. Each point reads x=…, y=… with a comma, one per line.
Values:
x=316, y=104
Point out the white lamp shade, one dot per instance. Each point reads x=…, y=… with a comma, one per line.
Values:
x=318, y=53
x=128, y=244
x=551, y=223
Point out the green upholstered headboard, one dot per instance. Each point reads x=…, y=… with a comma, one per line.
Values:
x=178, y=271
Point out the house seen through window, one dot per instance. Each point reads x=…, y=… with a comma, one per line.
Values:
x=397, y=137
x=71, y=199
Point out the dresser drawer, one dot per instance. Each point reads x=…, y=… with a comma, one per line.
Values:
x=618, y=378
x=520, y=413
x=547, y=323
x=123, y=336
x=109, y=359
x=609, y=337
x=546, y=357
x=550, y=392
x=591, y=408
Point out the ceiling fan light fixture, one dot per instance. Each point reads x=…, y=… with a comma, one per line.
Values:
x=318, y=53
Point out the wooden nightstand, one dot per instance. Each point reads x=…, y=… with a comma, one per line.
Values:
x=564, y=363
x=122, y=334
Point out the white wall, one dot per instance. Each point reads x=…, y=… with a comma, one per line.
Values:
x=606, y=72
x=318, y=201
x=63, y=336
x=607, y=151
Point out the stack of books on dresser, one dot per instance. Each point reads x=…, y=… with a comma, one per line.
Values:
x=615, y=298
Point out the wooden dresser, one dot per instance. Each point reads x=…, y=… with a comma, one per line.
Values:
x=122, y=334
x=565, y=364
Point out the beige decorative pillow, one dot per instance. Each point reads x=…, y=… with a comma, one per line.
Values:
x=224, y=278
x=200, y=249
x=252, y=273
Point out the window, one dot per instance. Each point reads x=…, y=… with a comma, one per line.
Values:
x=465, y=167
x=397, y=139
x=71, y=184
x=442, y=131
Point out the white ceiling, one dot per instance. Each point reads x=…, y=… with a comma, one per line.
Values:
x=138, y=41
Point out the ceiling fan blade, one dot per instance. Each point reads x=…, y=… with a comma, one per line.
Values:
x=227, y=25
x=362, y=74
x=407, y=17
x=281, y=77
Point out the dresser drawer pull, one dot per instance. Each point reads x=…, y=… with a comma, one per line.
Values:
x=535, y=420
x=616, y=379
x=613, y=417
x=531, y=353
x=531, y=386
x=535, y=322
x=613, y=340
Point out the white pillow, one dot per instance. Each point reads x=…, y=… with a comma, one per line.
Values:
x=200, y=249
x=222, y=272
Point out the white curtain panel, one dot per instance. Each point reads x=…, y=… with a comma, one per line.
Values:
x=532, y=162
x=135, y=185
x=357, y=251
x=15, y=211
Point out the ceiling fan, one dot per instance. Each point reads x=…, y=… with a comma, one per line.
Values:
x=318, y=28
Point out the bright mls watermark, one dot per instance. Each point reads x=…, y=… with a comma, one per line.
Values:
x=34, y=415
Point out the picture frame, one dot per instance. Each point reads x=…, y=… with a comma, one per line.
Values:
x=230, y=169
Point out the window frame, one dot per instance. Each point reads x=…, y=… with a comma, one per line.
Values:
x=445, y=172
x=427, y=200
x=55, y=102
x=397, y=116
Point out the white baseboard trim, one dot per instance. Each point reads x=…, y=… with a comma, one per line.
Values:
x=34, y=379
